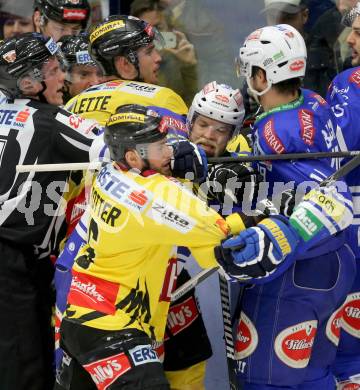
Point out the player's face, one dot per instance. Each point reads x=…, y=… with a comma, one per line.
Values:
x=54, y=78
x=16, y=26
x=353, y=41
x=159, y=156
x=149, y=63
x=56, y=30
x=83, y=77
x=211, y=135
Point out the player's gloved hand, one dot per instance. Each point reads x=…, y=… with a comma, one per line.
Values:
x=284, y=204
x=287, y=202
x=188, y=158
x=232, y=180
x=323, y=212
x=256, y=252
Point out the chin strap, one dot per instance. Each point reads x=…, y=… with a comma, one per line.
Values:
x=254, y=93
x=41, y=95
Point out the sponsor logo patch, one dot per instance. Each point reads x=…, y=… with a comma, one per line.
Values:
x=106, y=28
x=294, y=344
x=272, y=139
x=164, y=213
x=297, y=65
x=351, y=314
x=52, y=46
x=355, y=78
x=140, y=89
x=238, y=98
x=348, y=386
x=93, y=293
x=10, y=56
x=319, y=98
x=306, y=119
x=182, y=315
x=143, y=354
x=106, y=371
x=159, y=349
x=222, y=98
x=209, y=88
x=246, y=338
x=83, y=57
x=254, y=35
x=74, y=14
x=333, y=326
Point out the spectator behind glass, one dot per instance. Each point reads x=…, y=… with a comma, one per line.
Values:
x=292, y=12
x=352, y=24
x=206, y=33
x=15, y=18
x=178, y=69
x=328, y=50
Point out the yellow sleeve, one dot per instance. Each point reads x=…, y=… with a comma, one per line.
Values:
x=131, y=211
x=173, y=102
x=238, y=144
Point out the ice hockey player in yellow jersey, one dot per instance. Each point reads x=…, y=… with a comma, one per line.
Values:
x=119, y=296
x=124, y=47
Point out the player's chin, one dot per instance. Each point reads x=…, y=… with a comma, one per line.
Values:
x=355, y=60
x=166, y=170
x=209, y=150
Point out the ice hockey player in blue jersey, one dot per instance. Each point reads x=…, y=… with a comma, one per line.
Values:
x=284, y=336
x=344, y=99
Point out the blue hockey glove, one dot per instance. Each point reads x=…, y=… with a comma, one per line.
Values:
x=258, y=251
x=189, y=158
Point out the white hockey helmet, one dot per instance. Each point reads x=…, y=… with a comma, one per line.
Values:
x=219, y=102
x=279, y=50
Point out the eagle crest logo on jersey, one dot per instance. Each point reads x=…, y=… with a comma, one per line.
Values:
x=293, y=345
x=333, y=326
x=246, y=338
x=351, y=315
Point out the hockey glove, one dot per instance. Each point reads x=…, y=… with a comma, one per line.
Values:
x=284, y=204
x=233, y=180
x=257, y=252
x=323, y=212
x=188, y=158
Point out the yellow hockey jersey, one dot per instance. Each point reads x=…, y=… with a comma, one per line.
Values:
x=101, y=101
x=122, y=278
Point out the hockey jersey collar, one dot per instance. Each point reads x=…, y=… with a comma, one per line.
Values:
x=284, y=107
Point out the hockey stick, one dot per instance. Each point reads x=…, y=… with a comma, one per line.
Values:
x=285, y=156
x=201, y=276
x=211, y=160
x=228, y=332
x=224, y=290
x=190, y=284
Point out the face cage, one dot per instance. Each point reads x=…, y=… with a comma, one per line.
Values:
x=37, y=73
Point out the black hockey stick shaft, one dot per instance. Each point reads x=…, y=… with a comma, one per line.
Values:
x=211, y=160
x=228, y=332
x=285, y=156
x=342, y=171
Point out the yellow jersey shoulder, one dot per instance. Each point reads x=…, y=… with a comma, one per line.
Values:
x=101, y=101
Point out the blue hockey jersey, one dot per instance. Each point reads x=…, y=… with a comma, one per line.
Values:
x=305, y=125
x=344, y=98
